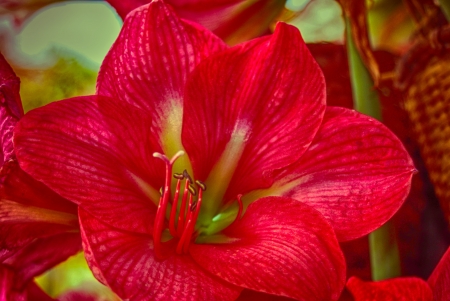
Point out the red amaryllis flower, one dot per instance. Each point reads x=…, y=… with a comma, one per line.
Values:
x=234, y=21
x=222, y=131
x=36, y=225
x=408, y=289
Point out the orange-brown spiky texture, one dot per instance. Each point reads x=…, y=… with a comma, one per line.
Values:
x=425, y=76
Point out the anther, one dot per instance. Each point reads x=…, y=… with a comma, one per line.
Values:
x=192, y=190
x=178, y=176
x=201, y=185
x=161, y=191
x=187, y=176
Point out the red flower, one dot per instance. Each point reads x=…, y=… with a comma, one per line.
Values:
x=241, y=128
x=406, y=289
x=36, y=225
x=234, y=21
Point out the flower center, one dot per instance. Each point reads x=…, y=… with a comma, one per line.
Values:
x=185, y=203
x=182, y=226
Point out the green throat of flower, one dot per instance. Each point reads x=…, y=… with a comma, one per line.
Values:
x=184, y=217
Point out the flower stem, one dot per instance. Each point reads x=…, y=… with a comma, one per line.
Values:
x=384, y=255
x=365, y=97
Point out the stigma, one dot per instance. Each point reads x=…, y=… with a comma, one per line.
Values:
x=183, y=217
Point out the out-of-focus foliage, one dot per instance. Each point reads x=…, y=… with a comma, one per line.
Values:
x=74, y=277
x=318, y=20
x=390, y=25
x=66, y=78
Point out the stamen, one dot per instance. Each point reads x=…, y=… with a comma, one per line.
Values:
x=180, y=225
x=201, y=185
x=187, y=176
x=178, y=176
x=185, y=227
x=189, y=213
x=194, y=204
x=194, y=209
x=192, y=190
x=173, y=213
x=158, y=226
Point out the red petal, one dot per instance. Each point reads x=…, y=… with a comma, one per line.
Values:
x=124, y=7
x=20, y=187
x=88, y=149
x=150, y=61
x=10, y=108
x=265, y=98
x=78, y=296
x=35, y=293
x=21, y=224
x=282, y=247
x=356, y=173
x=41, y=255
x=249, y=295
x=30, y=210
x=128, y=265
x=398, y=289
x=439, y=280
x=30, y=293
x=7, y=292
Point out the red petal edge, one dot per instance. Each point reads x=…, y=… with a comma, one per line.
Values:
x=439, y=280
x=398, y=289
x=281, y=247
x=356, y=173
x=10, y=108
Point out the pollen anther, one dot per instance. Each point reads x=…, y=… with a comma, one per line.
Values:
x=182, y=219
x=187, y=176
x=192, y=190
x=201, y=184
x=178, y=176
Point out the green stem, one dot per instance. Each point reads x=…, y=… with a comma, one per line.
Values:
x=445, y=5
x=384, y=255
x=365, y=97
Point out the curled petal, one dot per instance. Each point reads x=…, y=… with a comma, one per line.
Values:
x=356, y=173
x=282, y=247
x=10, y=108
x=127, y=264
x=398, y=289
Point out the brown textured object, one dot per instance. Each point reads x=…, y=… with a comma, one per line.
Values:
x=424, y=74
